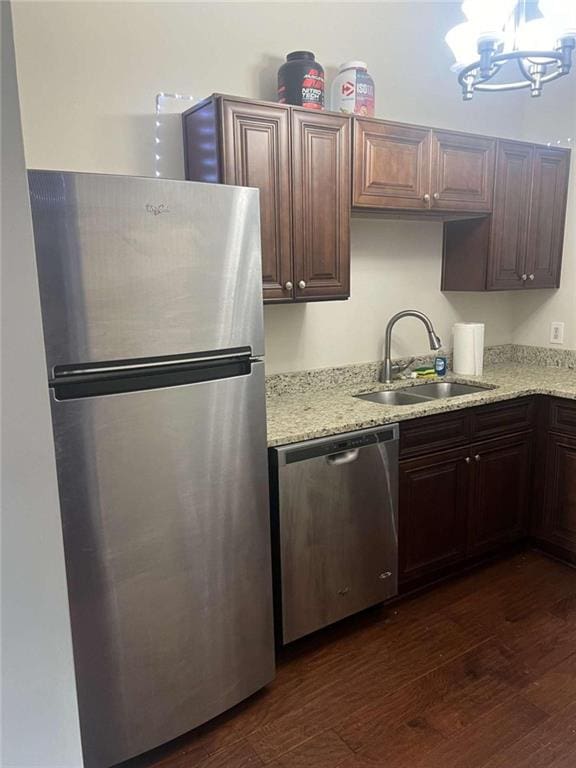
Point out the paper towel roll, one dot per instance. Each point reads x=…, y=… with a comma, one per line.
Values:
x=468, y=348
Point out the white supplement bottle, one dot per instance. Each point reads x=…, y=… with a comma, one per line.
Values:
x=353, y=90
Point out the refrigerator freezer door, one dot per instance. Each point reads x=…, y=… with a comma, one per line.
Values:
x=136, y=268
x=164, y=497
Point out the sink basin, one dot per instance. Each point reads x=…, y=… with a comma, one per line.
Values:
x=441, y=389
x=394, y=397
x=422, y=393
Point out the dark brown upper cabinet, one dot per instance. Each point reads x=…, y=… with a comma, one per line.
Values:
x=300, y=162
x=391, y=166
x=520, y=245
x=550, y=172
x=321, y=204
x=410, y=168
x=462, y=172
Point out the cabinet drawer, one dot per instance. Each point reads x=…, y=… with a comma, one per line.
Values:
x=434, y=433
x=502, y=418
x=563, y=416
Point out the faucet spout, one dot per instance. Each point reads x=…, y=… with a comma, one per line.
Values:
x=433, y=338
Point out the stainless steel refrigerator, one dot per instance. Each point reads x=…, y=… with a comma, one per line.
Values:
x=152, y=310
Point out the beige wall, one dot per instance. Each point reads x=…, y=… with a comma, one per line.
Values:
x=89, y=73
x=39, y=717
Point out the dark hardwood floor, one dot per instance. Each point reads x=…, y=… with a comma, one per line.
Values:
x=480, y=671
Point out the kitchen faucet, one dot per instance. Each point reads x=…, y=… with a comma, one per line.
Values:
x=435, y=342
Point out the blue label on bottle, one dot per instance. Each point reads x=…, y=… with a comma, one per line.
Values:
x=440, y=365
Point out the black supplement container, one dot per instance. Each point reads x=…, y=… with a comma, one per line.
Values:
x=301, y=81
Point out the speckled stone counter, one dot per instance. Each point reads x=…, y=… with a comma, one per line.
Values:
x=323, y=403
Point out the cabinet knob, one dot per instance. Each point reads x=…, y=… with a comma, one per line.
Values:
x=302, y=285
x=530, y=277
x=436, y=196
x=288, y=285
x=524, y=278
x=385, y=575
x=477, y=457
x=426, y=198
x=467, y=459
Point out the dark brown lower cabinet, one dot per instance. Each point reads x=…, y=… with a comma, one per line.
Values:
x=432, y=516
x=460, y=504
x=498, y=492
x=554, y=524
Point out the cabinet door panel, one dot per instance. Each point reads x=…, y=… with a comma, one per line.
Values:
x=547, y=214
x=433, y=513
x=462, y=172
x=509, y=231
x=499, y=492
x=391, y=165
x=321, y=205
x=256, y=154
x=559, y=520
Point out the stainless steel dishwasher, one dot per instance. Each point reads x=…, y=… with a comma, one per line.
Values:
x=335, y=514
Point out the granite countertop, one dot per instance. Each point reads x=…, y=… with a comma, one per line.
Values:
x=313, y=411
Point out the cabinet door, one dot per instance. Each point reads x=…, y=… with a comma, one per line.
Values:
x=558, y=524
x=498, y=492
x=462, y=172
x=391, y=165
x=433, y=514
x=547, y=215
x=321, y=205
x=256, y=152
x=509, y=231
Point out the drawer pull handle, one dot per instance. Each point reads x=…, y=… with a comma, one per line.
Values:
x=344, y=591
x=385, y=575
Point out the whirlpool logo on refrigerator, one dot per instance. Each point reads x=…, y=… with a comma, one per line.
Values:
x=156, y=210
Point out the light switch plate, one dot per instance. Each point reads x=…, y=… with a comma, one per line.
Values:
x=557, y=333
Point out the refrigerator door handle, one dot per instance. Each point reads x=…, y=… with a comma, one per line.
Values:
x=127, y=366
x=159, y=377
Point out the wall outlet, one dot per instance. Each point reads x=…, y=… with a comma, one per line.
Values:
x=557, y=333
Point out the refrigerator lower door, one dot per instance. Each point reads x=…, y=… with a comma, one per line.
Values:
x=164, y=501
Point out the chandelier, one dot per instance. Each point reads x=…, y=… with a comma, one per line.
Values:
x=534, y=48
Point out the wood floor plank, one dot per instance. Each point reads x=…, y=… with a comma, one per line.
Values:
x=556, y=689
x=479, y=672
x=551, y=743
x=495, y=731
x=327, y=750
x=440, y=696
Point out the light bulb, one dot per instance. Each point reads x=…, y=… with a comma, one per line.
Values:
x=488, y=16
x=537, y=35
x=463, y=41
x=561, y=14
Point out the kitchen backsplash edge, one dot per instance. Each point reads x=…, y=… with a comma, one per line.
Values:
x=366, y=373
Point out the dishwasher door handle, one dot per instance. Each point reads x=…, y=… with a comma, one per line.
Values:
x=346, y=457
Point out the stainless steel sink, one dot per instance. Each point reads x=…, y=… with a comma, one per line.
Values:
x=440, y=389
x=422, y=393
x=394, y=397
